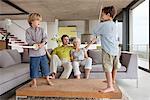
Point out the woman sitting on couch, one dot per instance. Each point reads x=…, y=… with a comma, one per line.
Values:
x=79, y=57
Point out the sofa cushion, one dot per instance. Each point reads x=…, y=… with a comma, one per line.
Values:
x=122, y=69
x=15, y=55
x=5, y=59
x=10, y=73
x=95, y=68
x=99, y=68
x=96, y=56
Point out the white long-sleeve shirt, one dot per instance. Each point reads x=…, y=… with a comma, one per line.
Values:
x=108, y=34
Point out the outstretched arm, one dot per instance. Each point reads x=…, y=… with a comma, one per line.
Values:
x=93, y=41
x=85, y=54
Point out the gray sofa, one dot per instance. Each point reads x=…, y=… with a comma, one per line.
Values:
x=12, y=71
x=128, y=69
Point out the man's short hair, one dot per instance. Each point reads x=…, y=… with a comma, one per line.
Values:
x=34, y=16
x=64, y=36
x=111, y=10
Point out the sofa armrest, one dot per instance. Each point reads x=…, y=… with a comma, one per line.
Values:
x=130, y=61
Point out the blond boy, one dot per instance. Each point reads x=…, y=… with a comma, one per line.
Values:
x=38, y=60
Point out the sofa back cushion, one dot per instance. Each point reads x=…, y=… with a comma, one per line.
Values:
x=96, y=55
x=5, y=59
x=125, y=59
x=15, y=55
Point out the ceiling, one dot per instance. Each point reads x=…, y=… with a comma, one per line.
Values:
x=61, y=9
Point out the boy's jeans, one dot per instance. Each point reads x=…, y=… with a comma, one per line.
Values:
x=39, y=64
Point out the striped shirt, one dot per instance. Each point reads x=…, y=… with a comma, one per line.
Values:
x=33, y=36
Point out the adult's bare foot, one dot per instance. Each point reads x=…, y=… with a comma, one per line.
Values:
x=108, y=89
x=50, y=83
x=77, y=77
x=52, y=76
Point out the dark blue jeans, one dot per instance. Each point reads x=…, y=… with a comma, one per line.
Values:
x=38, y=64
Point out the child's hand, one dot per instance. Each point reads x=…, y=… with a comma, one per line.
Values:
x=36, y=46
x=93, y=40
x=40, y=45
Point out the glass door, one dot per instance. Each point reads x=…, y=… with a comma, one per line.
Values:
x=140, y=36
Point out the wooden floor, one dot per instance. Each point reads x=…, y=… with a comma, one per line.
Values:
x=69, y=88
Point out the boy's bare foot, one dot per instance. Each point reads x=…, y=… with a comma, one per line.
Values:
x=33, y=85
x=108, y=89
x=106, y=81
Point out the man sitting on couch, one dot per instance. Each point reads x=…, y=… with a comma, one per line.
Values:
x=61, y=57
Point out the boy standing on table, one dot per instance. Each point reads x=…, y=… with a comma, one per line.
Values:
x=38, y=60
x=109, y=42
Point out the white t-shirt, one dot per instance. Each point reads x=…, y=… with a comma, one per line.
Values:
x=78, y=55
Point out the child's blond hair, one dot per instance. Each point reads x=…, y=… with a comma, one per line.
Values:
x=34, y=16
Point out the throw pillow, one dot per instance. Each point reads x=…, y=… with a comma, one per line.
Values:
x=96, y=55
x=5, y=59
